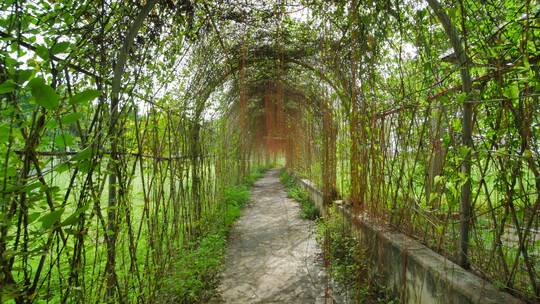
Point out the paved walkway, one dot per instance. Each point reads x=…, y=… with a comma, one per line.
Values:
x=273, y=256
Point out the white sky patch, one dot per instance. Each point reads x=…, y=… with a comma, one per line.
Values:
x=300, y=14
x=408, y=52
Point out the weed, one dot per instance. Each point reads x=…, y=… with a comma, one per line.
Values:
x=194, y=276
x=308, y=210
x=348, y=262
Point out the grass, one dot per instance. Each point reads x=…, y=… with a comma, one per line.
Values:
x=195, y=265
x=194, y=275
x=308, y=210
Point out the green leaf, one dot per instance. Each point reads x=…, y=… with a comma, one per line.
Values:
x=460, y=98
x=24, y=75
x=84, y=166
x=42, y=52
x=61, y=168
x=85, y=96
x=82, y=155
x=64, y=140
x=438, y=180
x=7, y=86
x=51, y=218
x=45, y=95
x=4, y=133
x=456, y=124
x=71, y=118
x=72, y=219
x=446, y=139
x=463, y=151
x=33, y=216
x=51, y=124
x=60, y=47
x=512, y=91
x=444, y=99
x=29, y=187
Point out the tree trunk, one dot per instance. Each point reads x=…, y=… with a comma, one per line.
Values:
x=465, y=204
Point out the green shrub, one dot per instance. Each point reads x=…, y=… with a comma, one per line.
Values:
x=308, y=210
x=286, y=179
x=255, y=175
x=234, y=198
x=195, y=272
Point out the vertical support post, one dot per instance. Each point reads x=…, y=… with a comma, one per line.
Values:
x=243, y=105
x=354, y=115
x=465, y=202
x=112, y=226
x=463, y=63
x=329, y=154
x=437, y=155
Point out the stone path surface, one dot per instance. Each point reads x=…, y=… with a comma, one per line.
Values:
x=273, y=256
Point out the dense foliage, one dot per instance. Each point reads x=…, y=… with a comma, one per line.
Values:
x=350, y=265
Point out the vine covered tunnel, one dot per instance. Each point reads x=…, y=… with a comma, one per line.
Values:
x=131, y=131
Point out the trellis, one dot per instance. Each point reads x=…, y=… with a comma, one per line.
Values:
x=452, y=161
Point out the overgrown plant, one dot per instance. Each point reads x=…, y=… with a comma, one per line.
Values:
x=122, y=122
x=348, y=263
x=308, y=210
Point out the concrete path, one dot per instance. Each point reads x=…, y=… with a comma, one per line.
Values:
x=273, y=256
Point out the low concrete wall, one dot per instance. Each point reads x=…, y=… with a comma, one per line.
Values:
x=314, y=194
x=412, y=270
